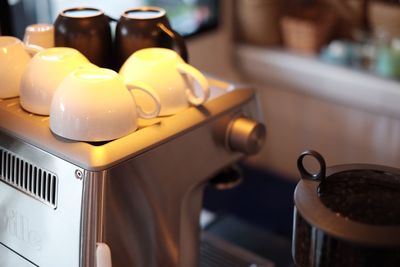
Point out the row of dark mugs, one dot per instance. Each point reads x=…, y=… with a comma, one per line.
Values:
x=88, y=30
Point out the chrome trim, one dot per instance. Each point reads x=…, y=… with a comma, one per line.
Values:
x=91, y=181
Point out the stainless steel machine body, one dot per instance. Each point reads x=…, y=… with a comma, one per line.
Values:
x=140, y=195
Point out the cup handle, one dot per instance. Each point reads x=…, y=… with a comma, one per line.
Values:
x=192, y=73
x=33, y=49
x=137, y=85
x=180, y=42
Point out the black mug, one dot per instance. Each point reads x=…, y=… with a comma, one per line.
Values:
x=87, y=30
x=145, y=27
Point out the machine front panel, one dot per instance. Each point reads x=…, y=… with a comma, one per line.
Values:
x=40, y=206
x=12, y=259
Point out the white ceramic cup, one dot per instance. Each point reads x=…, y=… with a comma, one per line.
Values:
x=94, y=104
x=39, y=34
x=44, y=73
x=14, y=57
x=177, y=83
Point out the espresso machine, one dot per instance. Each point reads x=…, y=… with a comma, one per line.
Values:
x=134, y=201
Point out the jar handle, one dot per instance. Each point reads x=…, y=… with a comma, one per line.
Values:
x=319, y=176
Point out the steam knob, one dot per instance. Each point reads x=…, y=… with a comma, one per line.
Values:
x=246, y=136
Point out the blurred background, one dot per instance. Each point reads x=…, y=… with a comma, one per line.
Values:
x=187, y=17
x=327, y=73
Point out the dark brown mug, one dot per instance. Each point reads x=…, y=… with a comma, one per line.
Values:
x=145, y=27
x=87, y=30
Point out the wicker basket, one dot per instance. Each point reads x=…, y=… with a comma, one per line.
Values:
x=385, y=19
x=258, y=21
x=308, y=30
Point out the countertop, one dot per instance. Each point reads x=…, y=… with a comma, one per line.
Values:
x=309, y=75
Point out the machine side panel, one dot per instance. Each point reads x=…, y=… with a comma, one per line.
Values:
x=152, y=202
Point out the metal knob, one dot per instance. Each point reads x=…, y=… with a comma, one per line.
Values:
x=246, y=136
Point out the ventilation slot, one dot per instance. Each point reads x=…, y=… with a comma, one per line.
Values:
x=28, y=178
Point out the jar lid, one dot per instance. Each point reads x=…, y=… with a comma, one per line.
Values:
x=368, y=196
